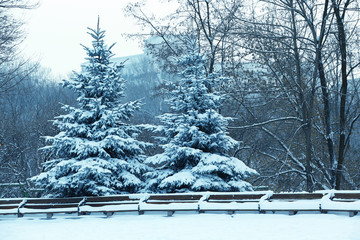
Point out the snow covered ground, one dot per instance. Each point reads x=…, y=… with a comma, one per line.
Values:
x=182, y=226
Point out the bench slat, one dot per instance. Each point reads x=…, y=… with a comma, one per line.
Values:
x=53, y=200
x=296, y=196
x=347, y=196
x=175, y=197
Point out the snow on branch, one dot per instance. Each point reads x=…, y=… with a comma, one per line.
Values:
x=268, y=122
x=283, y=145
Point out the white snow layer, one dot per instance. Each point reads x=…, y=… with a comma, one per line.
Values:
x=182, y=226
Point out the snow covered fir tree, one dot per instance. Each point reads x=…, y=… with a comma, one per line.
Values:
x=96, y=152
x=194, y=138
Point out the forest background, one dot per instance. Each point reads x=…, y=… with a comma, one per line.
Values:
x=293, y=94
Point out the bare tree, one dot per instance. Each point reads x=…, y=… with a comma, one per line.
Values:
x=25, y=114
x=280, y=42
x=207, y=23
x=11, y=35
x=343, y=30
x=296, y=43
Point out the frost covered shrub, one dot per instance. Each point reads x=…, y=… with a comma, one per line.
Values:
x=96, y=151
x=195, y=140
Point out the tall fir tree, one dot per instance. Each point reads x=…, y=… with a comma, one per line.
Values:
x=195, y=141
x=96, y=152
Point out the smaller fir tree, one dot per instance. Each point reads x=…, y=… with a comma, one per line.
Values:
x=96, y=151
x=195, y=141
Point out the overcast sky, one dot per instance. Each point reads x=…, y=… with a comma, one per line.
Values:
x=56, y=29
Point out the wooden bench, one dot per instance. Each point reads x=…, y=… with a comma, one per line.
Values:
x=10, y=206
x=170, y=203
x=110, y=204
x=231, y=202
x=50, y=206
x=336, y=201
x=292, y=202
x=341, y=202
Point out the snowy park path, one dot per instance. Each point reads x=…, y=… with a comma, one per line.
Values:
x=182, y=226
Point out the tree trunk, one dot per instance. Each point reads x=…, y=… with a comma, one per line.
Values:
x=305, y=111
x=343, y=91
x=327, y=119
